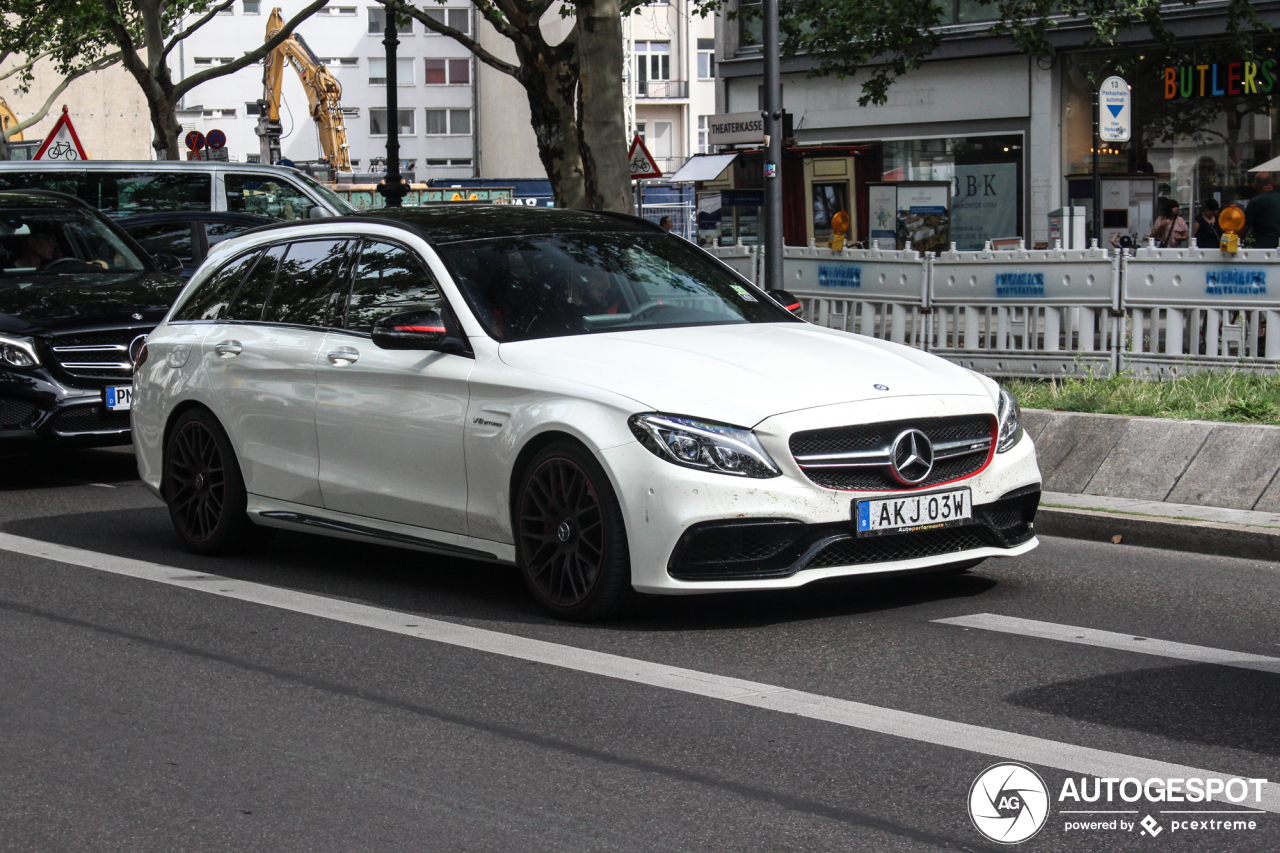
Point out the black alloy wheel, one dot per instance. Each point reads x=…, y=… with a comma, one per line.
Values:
x=570, y=537
x=204, y=488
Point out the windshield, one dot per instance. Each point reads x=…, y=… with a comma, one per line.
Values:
x=576, y=284
x=61, y=242
x=339, y=203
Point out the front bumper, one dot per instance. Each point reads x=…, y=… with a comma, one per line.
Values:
x=662, y=503
x=37, y=408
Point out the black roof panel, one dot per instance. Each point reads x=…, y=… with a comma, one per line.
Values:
x=448, y=223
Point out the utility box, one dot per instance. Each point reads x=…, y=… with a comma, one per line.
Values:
x=1068, y=225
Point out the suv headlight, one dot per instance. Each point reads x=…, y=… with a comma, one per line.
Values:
x=1010, y=417
x=704, y=445
x=18, y=352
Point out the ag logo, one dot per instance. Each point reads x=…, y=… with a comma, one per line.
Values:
x=1008, y=803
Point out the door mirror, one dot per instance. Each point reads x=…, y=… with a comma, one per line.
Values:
x=413, y=330
x=171, y=264
x=786, y=300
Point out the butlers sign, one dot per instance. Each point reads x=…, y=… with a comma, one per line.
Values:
x=1220, y=78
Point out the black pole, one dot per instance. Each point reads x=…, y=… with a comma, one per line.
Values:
x=392, y=187
x=773, y=150
x=1097, y=182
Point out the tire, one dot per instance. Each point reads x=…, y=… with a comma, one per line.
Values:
x=204, y=488
x=571, y=542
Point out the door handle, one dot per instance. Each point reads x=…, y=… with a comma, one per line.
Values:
x=227, y=349
x=344, y=355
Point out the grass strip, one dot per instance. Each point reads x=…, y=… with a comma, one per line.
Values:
x=1232, y=396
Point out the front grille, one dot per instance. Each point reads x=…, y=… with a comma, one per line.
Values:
x=81, y=419
x=874, y=441
x=102, y=354
x=758, y=549
x=15, y=413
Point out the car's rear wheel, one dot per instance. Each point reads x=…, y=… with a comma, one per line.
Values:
x=570, y=538
x=205, y=489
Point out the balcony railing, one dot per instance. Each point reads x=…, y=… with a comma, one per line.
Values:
x=662, y=89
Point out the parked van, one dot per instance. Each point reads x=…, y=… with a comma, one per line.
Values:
x=122, y=188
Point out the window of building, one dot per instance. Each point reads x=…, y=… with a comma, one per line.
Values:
x=704, y=135
x=453, y=72
x=459, y=72
x=640, y=131
x=378, y=23
x=251, y=7
x=460, y=122
x=437, y=122
x=218, y=113
x=463, y=161
x=212, y=60
x=351, y=112
x=431, y=162
x=408, y=165
x=253, y=158
x=653, y=61
x=378, y=71
x=378, y=121
x=226, y=11
x=252, y=108
x=459, y=19
x=355, y=162
x=341, y=62
x=706, y=59
x=341, y=11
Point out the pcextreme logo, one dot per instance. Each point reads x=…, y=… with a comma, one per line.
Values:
x=1009, y=803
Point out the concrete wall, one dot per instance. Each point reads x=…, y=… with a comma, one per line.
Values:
x=1157, y=459
x=107, y=110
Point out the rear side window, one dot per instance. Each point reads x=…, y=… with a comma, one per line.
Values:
x=253, y=294
x=216, y=232
x=388, y=280
x=308, y=282
x=172, y=238
x=266, y=197
x=71, y=183
x=211, y=299
x=136, y=193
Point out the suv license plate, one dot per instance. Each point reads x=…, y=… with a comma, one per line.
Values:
x=119, y=397
x=913, y=512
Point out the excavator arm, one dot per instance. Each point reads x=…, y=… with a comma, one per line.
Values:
x=324, y=95
x=8, y=119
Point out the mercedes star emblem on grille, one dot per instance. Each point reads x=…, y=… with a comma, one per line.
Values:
x=911, y=456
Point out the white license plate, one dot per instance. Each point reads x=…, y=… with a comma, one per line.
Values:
x=119, y=397
x=913, y=512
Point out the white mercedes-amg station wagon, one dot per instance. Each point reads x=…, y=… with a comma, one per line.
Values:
x=580, y=394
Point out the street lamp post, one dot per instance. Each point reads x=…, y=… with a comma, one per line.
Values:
x=773, y=150
x=392, y=188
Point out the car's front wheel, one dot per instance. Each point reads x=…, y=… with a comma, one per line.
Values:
x=570, y=537
x=205, y=489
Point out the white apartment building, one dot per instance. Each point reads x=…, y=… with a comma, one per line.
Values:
x=436, y=75
x=670, y=80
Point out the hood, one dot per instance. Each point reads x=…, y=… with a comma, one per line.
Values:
x=742, y=374
x=43, y=304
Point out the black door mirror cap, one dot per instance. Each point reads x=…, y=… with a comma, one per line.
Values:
x=786, y=300
x=168, y=263
x=417, y=330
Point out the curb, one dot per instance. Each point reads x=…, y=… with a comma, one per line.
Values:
x=1200, y=537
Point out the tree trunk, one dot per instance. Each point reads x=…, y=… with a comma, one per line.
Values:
x=165, y=125
x=602, y=135
x=551, y=88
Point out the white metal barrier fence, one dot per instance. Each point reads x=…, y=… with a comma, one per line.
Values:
x=1196, y=309
x=1048, y=312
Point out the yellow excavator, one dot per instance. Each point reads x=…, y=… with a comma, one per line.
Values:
x=8, y=119
x=323, y=92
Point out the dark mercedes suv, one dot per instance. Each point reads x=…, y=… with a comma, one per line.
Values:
x=77, y=299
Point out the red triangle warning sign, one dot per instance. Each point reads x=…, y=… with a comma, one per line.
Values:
x=62, y=143
x=642, y=165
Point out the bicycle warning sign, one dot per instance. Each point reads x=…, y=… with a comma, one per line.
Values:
x=62, y=143
x=642, y=165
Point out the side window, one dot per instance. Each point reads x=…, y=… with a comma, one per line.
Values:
x=253, y=294
x=266, y=197
x=388, y=280
x=210, y=300
x=71, y=183
x=216, y=232
x=307, y=283
x=173, y=238
x=136, y=193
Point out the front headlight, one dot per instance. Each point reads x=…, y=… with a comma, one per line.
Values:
x=1010, y=417
x=704, y=445
x=18, y=352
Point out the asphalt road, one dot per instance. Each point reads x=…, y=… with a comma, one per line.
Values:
x=140, y=715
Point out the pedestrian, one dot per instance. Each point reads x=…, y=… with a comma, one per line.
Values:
x=1262, y=216
x=1208, y=232
x=667, y=223
x=1170, y=231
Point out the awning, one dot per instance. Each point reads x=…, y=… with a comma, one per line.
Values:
x=702, y=167
x=1271, y=165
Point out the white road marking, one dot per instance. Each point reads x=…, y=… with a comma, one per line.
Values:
x=1112, y=640
x=918, y=727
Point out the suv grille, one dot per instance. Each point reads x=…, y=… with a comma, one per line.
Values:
x=856, y=458
x=82, y=419
x=96, y=355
